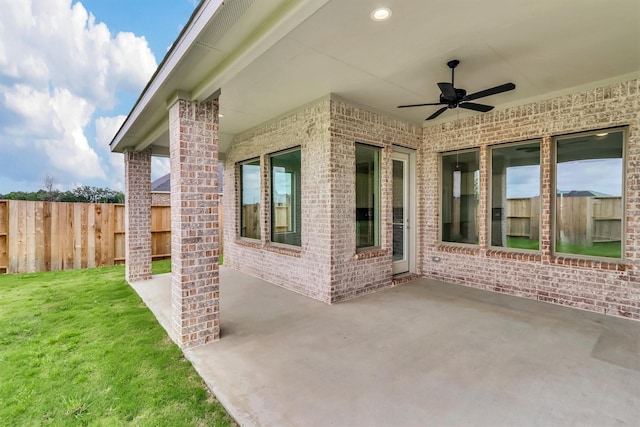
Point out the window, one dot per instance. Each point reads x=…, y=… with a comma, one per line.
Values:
x=460, y=196
x=589, y=188
x=250, y=199
x=515, y=196
x=367, y=196
x=286, y=212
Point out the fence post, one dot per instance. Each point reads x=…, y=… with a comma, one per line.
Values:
x=4, y=237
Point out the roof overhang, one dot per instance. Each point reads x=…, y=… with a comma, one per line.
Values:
x=220, y=39
x=265, y=58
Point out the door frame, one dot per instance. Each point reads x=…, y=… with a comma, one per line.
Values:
x=412, y=232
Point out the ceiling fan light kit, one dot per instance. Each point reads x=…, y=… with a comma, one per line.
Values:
x=452, y=97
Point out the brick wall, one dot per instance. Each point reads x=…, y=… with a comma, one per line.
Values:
x=604, y=287
x=354, y=273
x=160, y=198
x=306, y=269
x=327, y=266
x=137, y=215
x=193, y=130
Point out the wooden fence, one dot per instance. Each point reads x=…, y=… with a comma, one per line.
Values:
x=581, y=220
x=49, y=236
x=523, y=218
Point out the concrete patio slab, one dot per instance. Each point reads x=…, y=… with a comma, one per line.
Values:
x=424, y=353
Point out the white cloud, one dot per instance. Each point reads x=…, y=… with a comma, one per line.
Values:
x=54, y=123
x=160, y=166
x=32, y=107
x=106, y=128
x=58, y=67
x=51, y=42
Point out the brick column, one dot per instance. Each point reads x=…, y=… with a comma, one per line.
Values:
x=137, y=215
x=547, y=199
x=193, y=128
x=484, y=220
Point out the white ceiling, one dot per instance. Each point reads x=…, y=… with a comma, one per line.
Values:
x=543, y=46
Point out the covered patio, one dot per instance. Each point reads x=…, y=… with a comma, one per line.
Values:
x=424, y=353
x=332, y=187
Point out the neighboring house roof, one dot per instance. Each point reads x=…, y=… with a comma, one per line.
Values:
x=582, y=193
x=163, y=184
x=267, y=58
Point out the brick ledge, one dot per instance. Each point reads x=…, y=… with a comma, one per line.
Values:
x=250, y=243
x=561, y=260
x=404, y=278
x=282, y=250
x=458, y=249
x=370, y=253
x=517, y=255
x=587, y=263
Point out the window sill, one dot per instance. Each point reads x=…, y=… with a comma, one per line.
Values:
x=293, y=251
x=368, y=253
x=609, y=265
x=458, y=248
x=250, y=243
x=506, y=253
x=613, y=265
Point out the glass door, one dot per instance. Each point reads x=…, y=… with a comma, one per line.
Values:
x=401, y=212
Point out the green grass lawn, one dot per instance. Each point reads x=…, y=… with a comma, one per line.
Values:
x=522, y=243
x=80, y=348
x=164, y=266
x=603, y=249
x=160, y=267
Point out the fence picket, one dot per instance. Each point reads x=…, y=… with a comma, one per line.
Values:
x=51, y=236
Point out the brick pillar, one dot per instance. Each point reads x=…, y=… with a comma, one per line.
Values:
x=137, y=215
x=484, y=220
x=193, y=128
x=547, y=199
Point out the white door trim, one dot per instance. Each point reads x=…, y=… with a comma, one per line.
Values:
x=409, y=156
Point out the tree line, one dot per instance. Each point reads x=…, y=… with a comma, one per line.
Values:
x=82, y=194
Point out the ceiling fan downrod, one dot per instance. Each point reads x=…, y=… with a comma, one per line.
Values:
x=453, y=64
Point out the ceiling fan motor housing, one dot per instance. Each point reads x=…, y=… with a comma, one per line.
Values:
x=453, y=102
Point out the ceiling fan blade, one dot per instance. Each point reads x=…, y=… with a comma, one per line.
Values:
x=448, y=91
x=476, y=107
x=420, y=105
x=488, y=92
x=437, y=113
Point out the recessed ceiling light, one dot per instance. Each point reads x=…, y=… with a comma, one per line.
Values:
x=381, y=14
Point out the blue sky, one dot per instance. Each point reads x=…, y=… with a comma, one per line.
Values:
x=70, y=71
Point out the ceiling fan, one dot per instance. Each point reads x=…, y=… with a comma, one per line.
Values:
x=453, y=97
